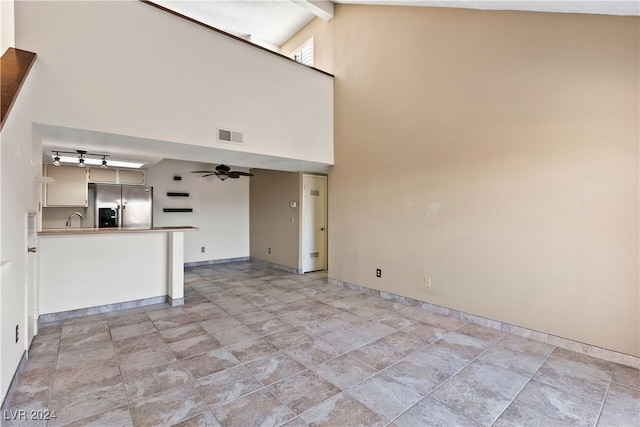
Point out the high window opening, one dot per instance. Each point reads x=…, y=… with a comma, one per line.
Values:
x=304, y=54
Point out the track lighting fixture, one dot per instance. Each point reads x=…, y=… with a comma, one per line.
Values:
x=83, y=158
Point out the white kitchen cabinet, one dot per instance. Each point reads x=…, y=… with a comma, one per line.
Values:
x=116, y=176
x=103, y=175
x=131, y=177
x=70, y=187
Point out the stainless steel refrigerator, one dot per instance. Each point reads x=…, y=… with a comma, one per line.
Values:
x=123, y=206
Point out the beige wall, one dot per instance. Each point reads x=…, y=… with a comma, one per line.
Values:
x=497, y=153
x=270, y=217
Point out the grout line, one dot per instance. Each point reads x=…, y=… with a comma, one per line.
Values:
x=525, y=385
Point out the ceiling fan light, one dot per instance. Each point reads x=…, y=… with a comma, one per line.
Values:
x=222, y=177
x=104, y=162
x=81, y=162
x=56, y=159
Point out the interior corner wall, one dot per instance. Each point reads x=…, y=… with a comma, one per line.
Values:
x=21, y=162
x=220, y=209
x=497, y=153
x=274, y=224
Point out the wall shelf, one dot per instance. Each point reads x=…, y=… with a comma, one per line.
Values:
x=177, y=210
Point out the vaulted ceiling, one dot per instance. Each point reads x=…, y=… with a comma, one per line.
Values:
x=270, y=23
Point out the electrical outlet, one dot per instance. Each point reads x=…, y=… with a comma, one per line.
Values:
x=269, y=251
x=378, y=272
x=202, y=249
x=17, y=333
x=427, y=282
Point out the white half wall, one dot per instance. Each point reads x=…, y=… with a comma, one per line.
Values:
x=220, y=209
x=82, y=270
x=164, y=78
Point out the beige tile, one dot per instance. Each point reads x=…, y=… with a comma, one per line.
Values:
x=428, y=412
x=144, y=352
x=274, y=367
x=206, y=419
x=480, y=391
x=578, y=373
x=313, y=353
x=543, y=405
x=344, y=371
x=627, y=375
x=226, y=386
x=259, y=408
x=193, y=345
x=342, y=410
x=167, y=407
x=246, y=351
x=208, y=363
x=115, y=417
x=181, y=333
x=88, y=400
x=173, y=321
x=289, y=338
x=384, y=395
x=303, y=391
x=132, y=330
x=154, y=380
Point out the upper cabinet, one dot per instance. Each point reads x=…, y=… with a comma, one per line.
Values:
x=131, y=177
x=116, y=176
x=70, y=187
x=103, y=175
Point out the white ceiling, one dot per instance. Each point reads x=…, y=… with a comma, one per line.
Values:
x=270, y=23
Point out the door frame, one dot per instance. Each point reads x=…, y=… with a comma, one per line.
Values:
x=32, y=270
x=303, y=236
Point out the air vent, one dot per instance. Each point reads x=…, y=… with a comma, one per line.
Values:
x=314, y=254
x=226, y=135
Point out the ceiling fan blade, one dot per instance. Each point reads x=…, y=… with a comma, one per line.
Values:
x=203, y=171
x=241, y=173
x=234, y=176
x=209, y=174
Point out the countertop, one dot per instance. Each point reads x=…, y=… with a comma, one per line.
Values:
x=78, y=230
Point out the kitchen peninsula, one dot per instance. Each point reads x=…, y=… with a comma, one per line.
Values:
x=95, y=270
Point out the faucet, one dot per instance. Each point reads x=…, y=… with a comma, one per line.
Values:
x=68, y=224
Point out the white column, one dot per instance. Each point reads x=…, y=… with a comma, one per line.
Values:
x=175, y=285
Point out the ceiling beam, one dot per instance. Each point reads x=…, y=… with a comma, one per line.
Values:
x=321, y=8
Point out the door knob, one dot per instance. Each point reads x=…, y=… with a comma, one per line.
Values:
x=322, y=229
x=32, y=250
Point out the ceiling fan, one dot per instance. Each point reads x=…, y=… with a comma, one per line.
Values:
x=223, y=172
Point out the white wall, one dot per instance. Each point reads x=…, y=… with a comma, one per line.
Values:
x=164, y=78
x=88, y=270
x=220, y=209
x=20, y=163
x=7, y=34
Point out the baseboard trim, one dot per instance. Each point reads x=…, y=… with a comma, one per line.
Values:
x=588, y=349
x=277, y=266
x=14, y=382
x=216, y=261
x=107, y=308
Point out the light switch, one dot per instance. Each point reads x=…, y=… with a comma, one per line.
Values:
x=293, y=204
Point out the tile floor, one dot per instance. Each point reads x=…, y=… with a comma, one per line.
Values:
x=255, y=346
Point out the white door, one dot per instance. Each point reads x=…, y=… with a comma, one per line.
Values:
x=31, y=288
x=314, y=223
